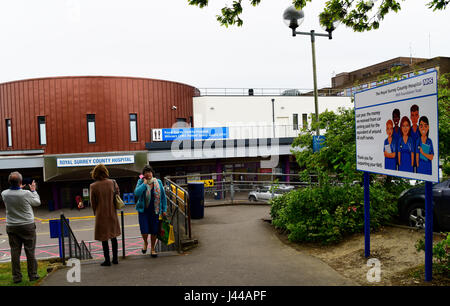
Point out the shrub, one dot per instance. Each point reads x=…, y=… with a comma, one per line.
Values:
x=328, y=213
x=441, y=254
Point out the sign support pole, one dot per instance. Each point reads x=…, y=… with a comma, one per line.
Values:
x=366, y=215
x=428, y=231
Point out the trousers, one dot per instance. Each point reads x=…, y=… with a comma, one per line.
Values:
x=22, y=235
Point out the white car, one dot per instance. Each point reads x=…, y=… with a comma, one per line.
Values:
x=265, y=194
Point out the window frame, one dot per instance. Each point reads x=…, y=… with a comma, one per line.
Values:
x=90, y=118
x=295, y=122
x=45, y=130
x=8, y=123
x=135, y=127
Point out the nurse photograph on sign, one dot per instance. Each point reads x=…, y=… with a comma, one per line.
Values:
x=390, y=147
x=424, y=150
x=405, y=147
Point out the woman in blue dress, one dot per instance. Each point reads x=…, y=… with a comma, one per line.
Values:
x=424, y=150
x=150, y=205
x=389, y=147
x=405, y=147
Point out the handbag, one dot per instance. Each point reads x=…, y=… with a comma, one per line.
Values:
x=118, y=202
x=165, y=233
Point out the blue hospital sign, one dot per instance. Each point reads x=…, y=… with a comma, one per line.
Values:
x=397, y=128
x=190, y=134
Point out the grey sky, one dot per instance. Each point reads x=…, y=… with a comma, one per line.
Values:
x=174, y=41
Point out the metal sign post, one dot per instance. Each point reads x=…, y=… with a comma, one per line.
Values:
x=428, y=231
x=366, y=214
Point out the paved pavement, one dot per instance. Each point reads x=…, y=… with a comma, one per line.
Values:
x=236, y=248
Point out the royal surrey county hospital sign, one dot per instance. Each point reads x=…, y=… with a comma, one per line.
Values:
x=397, y=128
x=92, y=161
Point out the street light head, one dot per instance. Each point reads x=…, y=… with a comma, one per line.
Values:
x=331, y=28
x=328, y=23
x=293, y=17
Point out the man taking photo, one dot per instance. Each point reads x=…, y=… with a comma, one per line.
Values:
x=20, y=224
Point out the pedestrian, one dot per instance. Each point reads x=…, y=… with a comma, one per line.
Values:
x=151, y=204
x=20, y=225
x=79, y=202
x=107, y=227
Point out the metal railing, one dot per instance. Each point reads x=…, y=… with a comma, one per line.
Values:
x=236, y=187
x=71, y=248
x=178, y=198
x=267, y=92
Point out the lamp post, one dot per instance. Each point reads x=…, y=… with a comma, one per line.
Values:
x=293, y=18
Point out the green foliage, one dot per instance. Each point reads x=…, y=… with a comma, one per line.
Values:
x=327, y=213
x=360, y=15
x=338, y=158
x=444, y=122
x=441, y=254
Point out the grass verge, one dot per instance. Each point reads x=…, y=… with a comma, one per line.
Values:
x=6, y=276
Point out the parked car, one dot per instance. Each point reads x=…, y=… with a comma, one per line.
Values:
x=265, y=193
x=411, y=206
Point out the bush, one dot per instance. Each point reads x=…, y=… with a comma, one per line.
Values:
x=328, y=213
x=441, y=254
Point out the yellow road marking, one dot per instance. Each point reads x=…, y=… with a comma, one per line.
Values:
x=78, y=218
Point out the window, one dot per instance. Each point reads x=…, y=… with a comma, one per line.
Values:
x=133, y=127
x=305, y=120
x=295, y=121
x=42, y=131
x=8, y=133
x=91, y=127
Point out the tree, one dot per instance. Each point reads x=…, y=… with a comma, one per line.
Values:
x=360, y=15
x=338, y=158
x=444, y=122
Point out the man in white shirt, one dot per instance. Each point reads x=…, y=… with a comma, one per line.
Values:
x=20, y=224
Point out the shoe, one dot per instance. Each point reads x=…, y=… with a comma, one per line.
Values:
x=115, y=261
x=17, y=281
x=143, y=251
x=105, y=264
x=154, y=255
x=32, y=279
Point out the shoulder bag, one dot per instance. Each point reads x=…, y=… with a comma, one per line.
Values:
x=118, y=202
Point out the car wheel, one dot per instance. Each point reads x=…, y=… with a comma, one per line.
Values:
x=252, y=198
x=416, y=215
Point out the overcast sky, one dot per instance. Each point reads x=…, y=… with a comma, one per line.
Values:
x=171, y=40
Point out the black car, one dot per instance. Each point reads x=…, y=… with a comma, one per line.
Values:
x=411, y=206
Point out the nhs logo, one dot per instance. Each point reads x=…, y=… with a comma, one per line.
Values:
x=427, y=81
